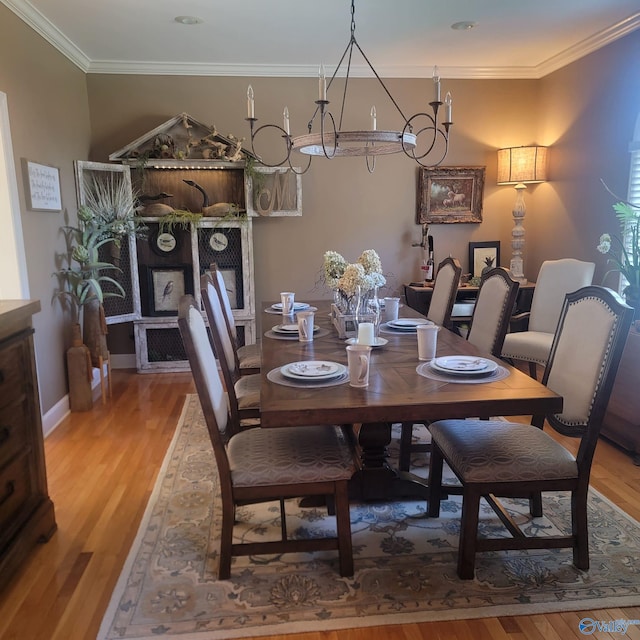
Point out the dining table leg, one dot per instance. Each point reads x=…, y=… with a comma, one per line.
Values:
x=376, y=479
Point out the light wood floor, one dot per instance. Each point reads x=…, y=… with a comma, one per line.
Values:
x=102, y=467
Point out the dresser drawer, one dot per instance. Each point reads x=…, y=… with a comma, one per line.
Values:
x=14, y=367
x=15, y=490
x=13, y=430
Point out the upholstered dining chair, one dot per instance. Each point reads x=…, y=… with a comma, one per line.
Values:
x=494, y=305
x=259, y=465
x=556, y=278
x=243, y=391
x=495, y=459
x=247, y=356
x=445, y=288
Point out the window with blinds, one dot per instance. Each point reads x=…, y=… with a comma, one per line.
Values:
x=633, y=194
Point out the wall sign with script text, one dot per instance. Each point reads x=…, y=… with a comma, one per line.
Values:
x=43, y=187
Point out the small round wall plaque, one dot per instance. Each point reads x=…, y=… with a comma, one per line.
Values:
x=164, y=243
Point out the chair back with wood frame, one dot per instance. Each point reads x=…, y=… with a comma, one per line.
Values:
x=556, y=278
x=492, y=312
x=500, y=459
x=259, y=465
x=244, y=391
x=445, y=289
x=247, y=356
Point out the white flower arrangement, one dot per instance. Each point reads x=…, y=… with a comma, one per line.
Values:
x=345, y=278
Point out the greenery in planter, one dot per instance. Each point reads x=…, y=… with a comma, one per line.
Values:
x=623, y=252
x=624, y=256
x=258, y=178
x=180, y=218
x=82, y=280
x=108, y=216
x=113, y=205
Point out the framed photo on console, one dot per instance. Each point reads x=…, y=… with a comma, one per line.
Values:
x=483, y=254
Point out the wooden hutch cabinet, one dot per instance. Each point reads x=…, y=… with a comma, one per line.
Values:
x=178, y=168
x=227, y=243
x=26, y=511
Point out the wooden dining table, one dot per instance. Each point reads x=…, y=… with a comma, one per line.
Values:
x=396, y=393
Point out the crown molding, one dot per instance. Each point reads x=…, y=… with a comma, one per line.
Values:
x=589, y=45
x=29, y=14
x=300, y=71
x=24, y=10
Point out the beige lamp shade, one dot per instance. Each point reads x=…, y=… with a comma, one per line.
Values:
x=522, y=165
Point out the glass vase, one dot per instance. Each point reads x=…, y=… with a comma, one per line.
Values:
x=368, y=308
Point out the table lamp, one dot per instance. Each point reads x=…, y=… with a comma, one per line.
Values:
x=520, y=166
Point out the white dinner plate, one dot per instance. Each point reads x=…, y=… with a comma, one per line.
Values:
x=285, y=328
x=313, y=370
x=380, y=342
x=289, y=329
x=297, y=306
x=407, y=324
x=464, y=365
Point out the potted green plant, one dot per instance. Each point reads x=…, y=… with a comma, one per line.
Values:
x=112, y=203
x=623, y=251
x=82, y=280
x=81, y=284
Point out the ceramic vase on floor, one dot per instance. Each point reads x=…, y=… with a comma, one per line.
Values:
x=95, y=332
x=80, y=373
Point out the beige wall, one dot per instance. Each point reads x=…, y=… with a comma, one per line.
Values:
x=49, y=119
x=589, y=110
x=344, y=207
x=585, y=111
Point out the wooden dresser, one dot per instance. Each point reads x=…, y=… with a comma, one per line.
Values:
x=26, y=512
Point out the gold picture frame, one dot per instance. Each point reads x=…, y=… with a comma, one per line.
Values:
x=449, y=195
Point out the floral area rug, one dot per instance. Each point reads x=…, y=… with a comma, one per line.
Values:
x=405, y=564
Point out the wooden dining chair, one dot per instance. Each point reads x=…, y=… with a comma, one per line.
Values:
x=489, y=323
x=556, y=278
x=247, y=356
x=495, y=459
x=493, y=309
x=259, y=465
x=243, y=391
x=445, y=289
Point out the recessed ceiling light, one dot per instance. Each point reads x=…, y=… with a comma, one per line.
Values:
x=188, y=20
x=465, y=25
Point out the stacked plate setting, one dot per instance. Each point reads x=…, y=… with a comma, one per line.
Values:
x=379, y=342
x=463, y=365
x=406, y=325
x=314, y=371
x=289, y=329
x=297, y=306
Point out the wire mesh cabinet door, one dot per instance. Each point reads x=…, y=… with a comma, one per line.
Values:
x=229, y=244
x=97, y=180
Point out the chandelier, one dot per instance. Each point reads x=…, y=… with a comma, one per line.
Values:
x=330, y=140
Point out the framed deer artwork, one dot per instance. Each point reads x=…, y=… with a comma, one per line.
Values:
x=450, y=195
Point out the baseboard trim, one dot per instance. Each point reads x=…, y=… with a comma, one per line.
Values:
x=123, y=360
x=60, y=410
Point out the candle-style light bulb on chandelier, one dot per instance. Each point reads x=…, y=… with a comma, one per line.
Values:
x=330, y=140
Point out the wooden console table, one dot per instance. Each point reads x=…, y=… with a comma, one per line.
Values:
x=418, y=297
